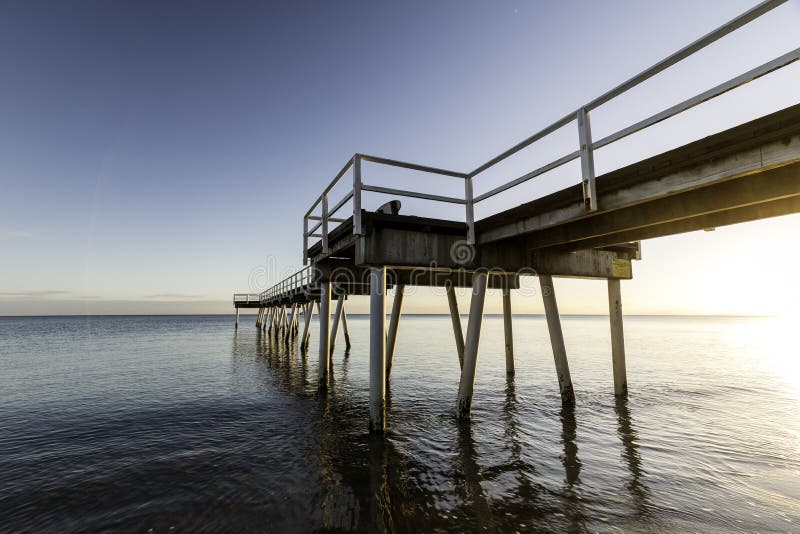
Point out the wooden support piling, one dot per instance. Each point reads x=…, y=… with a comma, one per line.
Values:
x=377, y=349
x=345, y=330
x=394, y=322
x=467, y=383
x=557, y=339
x=456, y=318
x=507, y=329
x=290, y=325
x=324, y=333
x=617, y=337
x=237, y=317
x=337, y=315
x=309, y=311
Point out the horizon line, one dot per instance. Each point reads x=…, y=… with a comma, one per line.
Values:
x=405, y=314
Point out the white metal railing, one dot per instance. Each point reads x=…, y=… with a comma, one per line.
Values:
x=301, y=278
x=326, y=215
x=245, y=297
x=585, y=151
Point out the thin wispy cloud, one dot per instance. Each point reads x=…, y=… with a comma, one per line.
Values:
x=37, y=294
x=174, y=296
x=13, y=233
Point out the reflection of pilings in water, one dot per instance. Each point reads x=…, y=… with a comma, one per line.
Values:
x=475, y=501
x=304, y=366
x=630, y=453
x=280, y=360
x=365, y=482
x=525, y=491
x=380, y=505
x=572, y=465
x=388, y=398
x=345, y=364
x=572, y=469
x=509, y=415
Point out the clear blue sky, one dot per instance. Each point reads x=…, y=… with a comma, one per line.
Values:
x=154, y=154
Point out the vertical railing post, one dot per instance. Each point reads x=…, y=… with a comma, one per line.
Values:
x=305, y=240
x=357, y=230
x=325, y=223
x=587, y=161
x=470, y=210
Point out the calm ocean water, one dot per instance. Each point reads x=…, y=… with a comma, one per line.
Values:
x=139, y=423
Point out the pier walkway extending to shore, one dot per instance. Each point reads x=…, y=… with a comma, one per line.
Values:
x=590, y=230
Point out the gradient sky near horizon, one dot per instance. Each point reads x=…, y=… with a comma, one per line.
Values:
x=156, y=156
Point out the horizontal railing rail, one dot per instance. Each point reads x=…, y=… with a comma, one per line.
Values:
x=245, y=297
x=585, y=151
x=320, y=222
x=288, y=285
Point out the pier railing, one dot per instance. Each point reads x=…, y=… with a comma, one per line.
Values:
x=246, y=298
x=288, y=285
x=321, y=214
x=322, y=221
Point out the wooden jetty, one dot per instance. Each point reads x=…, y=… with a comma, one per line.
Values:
x=590, y=230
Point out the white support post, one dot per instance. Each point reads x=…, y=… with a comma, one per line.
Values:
x=308, y=313
x=324, y=333
x=557, y=339
x=290, y=327
x=346, y=332
x=467, y=383
x=587, y=160
x=617, y=337
x=394, y=323
x=337, y=315
x=507, y=329
x=456, y=318
x=258, y=317
x=377, y=349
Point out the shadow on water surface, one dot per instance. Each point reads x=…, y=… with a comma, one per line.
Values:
x=391, y=482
